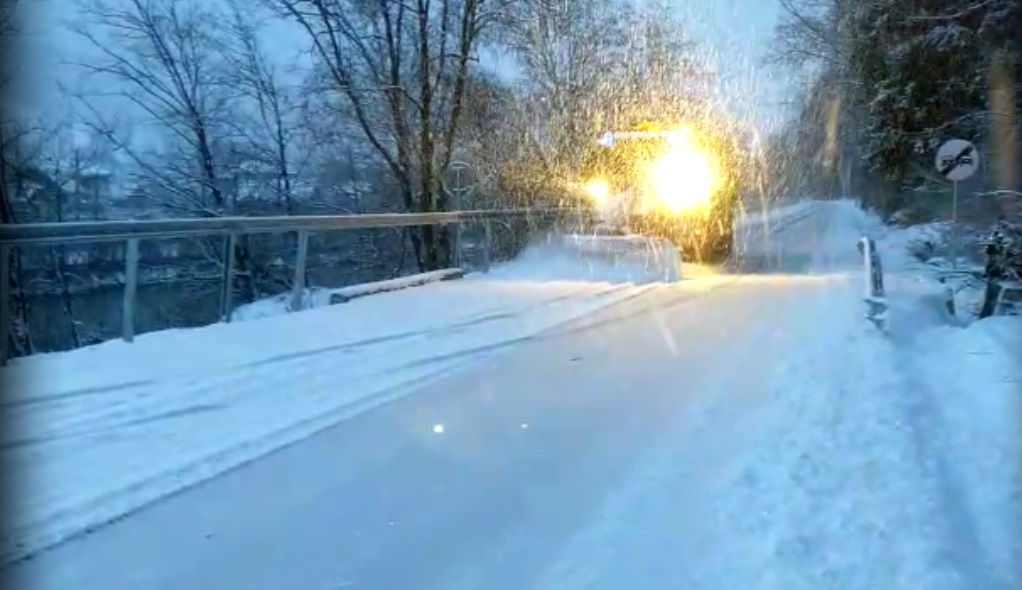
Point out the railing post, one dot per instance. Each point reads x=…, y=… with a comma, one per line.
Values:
x=5, y=304
x=458, y=228
x=487, y=244
x=298, y=285
x=874, y=296
x=227, y=293
x=878, y=271
x=130, y=290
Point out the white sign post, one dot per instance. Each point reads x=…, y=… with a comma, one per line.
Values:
x=957, y=159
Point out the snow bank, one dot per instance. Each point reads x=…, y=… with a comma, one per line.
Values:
x=914, y=254
x=969, y=377
x=318, y=296
x=615, y=259
x=975, y=377
x=346, y=294
x=782, y=214
x=101, y=431
x=913, y=245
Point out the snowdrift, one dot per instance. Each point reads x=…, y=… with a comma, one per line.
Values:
x=613, y=259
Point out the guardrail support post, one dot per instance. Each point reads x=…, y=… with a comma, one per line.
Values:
x=227, y=292
x=130, y=290
x=874, y=296
x=5, y=304
x=487, y=244
x=298, y=285
x=457, y=234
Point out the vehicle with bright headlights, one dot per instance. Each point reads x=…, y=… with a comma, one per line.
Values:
x=677, y=183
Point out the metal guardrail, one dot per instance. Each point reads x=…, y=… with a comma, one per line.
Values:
x=132, y=232
x=873, y=273
x=116, y=231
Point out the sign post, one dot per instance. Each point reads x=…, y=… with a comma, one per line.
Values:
x=957, y=159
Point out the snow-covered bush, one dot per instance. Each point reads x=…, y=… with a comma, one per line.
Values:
x=1004, y=252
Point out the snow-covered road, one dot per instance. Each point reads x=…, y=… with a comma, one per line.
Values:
x=746, y=430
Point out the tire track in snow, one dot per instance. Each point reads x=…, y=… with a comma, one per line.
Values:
x=834, y=493
x=151, y=482
x=340, y=347
x=920, y=310
x=169, y=395
x=810, y=479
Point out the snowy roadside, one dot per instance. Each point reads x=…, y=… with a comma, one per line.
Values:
x=975, y=380
x=855, y=460
x=86, y=457
x=917, y=253
x=969, y=375
x=319, y=297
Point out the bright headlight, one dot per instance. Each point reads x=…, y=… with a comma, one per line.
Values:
x=684, y=179
x=598, y=189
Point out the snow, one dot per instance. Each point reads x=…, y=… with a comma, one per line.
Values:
x=976, y=378
x=202, y=401
x=620, y=259
x=718, y=432
x=779, y=214
x=971, y=372
x=318, y=297
x=860, y=461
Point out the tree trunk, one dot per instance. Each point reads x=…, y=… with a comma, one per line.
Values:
x=57, y=256
x=22, y=339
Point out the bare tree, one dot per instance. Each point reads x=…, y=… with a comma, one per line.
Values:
x=814, y=31
x=569, y=52
x=270, y=134
x=400, y=70
x=819, y=36
x=161, y=57
x=16, y=157
x=591, y=67
x=164, y=57
x=11, y=129
x=53, y=179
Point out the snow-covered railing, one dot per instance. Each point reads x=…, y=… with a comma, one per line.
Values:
x=873, y=275
x=132, y=232
x=778, y=214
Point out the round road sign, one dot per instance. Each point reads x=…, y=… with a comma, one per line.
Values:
x=957, y=159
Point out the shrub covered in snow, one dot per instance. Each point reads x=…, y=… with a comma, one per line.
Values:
x=1004, y=252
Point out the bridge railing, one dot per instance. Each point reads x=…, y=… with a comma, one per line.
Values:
x=873, y=275
x=133, y=232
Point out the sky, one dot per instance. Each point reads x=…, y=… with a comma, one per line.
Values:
x=736, y=33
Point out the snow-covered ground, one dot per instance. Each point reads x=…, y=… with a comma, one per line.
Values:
x=969, y=374
x=319, y=297
x=100, y=431
x=729, y=431
x=920, y=253
x=779, y=214
x=861, y=461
